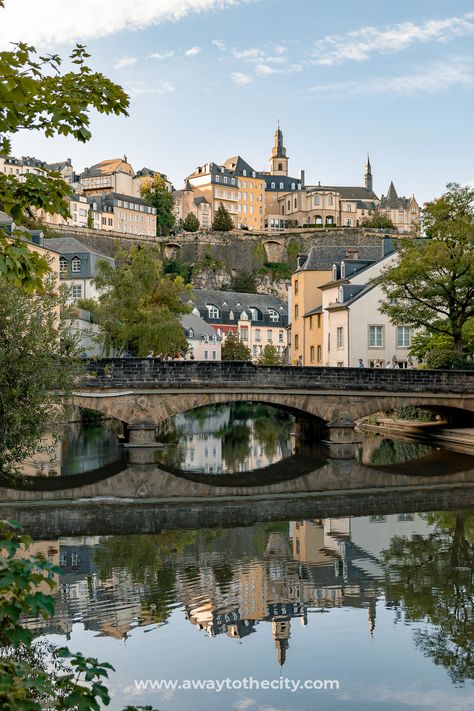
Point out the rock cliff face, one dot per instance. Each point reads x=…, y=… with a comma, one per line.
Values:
x=217, y=256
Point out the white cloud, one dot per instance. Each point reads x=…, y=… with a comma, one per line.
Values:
x=359, y=45
x=162, y=55
x=140, y=88
x=220, y=44
x=49, y=24
x=263, y=70
x=439, y=76
x=193, y=51
x=251, y=54
x=241, y=79
x=125, y=62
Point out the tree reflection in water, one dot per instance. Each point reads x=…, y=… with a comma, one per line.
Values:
x=430, y=579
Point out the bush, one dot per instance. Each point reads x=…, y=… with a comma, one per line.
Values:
x=447, y=359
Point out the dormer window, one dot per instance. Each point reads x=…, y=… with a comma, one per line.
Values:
x=281, y=186
x=293, y=186
x=253, y=314
x=273, y=315
x=213, y=311
x=334, y=272
x=253, y=174
x=191, y=333
x=231, y=315
x=299, y=186
x=244, y=172
x=76, y=265
x=341, y=295
x=272, y=185
x=343, y=270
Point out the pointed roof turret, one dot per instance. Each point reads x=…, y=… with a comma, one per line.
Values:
x=392, y=196
x=187, y=186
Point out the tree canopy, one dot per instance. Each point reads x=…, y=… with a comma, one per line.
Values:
x=35, y=95
x=140, y=306
x=155, y=191
x=432, y=285
x=270, y=355
x=378, y=221
x=222, y=220
x=190, y=223
x=234, y=349
x=38, y=367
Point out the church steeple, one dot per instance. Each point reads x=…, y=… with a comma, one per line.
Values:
x=368, y=175
x=278, y=159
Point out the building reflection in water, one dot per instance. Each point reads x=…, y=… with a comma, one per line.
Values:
x=228, y=581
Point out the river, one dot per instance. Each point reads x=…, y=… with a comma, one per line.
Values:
x=378, y=603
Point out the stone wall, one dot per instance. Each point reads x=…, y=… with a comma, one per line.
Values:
x=152, y=373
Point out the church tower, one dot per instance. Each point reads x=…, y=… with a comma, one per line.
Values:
x=368, y=175
x=278, y=159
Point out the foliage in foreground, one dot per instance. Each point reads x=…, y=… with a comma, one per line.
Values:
x=140, y=306
x=38, y=368
x=33, y=678
x=35, y=95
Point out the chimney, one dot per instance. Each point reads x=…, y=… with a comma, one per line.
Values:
x=302, y=177
x=352, y=253
x=69, y=161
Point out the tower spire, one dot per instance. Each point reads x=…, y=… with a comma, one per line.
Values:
x=278, y=158
x=368, y=180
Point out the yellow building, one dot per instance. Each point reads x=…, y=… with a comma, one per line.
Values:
x=250, y=195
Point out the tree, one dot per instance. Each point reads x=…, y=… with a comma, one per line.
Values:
x=34, y=676
x=38, y=369
x=155, y=191
x=437, y=349
x=233, y=349
x=190, y=223
x=222, y=222
x=432, y=285
x=244, y=282
x=378, y=221
x=270, y=356
x=431, y=578
x=36, y=96
x=140, y=306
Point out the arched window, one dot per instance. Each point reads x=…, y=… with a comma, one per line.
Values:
x=330, y=200
x=272, y=185
x=329, y=220
x=231, y=315
x=280, y=166
x=317, y=200
x=244, y=172
x=281, y=186
x=293, y=186
x=213, y=311
x=341, y=295
x=274, y=316
x=299, y=186
x=318, y=220
x=191, y=333
x=254, y=314
x=334, y=272
x=76, y=265
x=343, y=270
x=63, y=266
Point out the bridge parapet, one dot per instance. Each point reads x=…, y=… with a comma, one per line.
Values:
x=150, y=373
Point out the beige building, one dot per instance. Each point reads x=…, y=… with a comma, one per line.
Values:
x=191, y=200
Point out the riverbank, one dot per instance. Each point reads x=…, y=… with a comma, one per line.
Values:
x=458, y=439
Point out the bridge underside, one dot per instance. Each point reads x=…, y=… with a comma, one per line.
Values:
x=159, y=405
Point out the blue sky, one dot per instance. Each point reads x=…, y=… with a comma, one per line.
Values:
x=209, y=78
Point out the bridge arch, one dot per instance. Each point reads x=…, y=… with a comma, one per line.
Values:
x=275, y=250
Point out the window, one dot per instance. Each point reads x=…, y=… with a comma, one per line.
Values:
x=377, y=519
x=76, y=291
x=273, y=315
x=244, y=172
x=214, y=355
x=257, y=334
x=296, y=312
x=340, y=295
x=272, y=185
x=349, y=207
x=299, y=186
x=330, y=200
x=232, y=180
x=296, y=342
x=319, y=354
x=375, y=336
x=191, y=333
x=340, y=338
x=310, y=323
x=281, y=186
x=254, y=314
x=213, y=311
x=76, y=265
x=293, y=186
x=406, y=517
x=343, y=270
x=403, y=337
x=63, y=266
x=269, y=335
x=317, y=200
x=319, y=320
x=334, y=272
x=225, y=179
x=206, y=355
x=244, y=333
x=311, y=354
x=280, y=337
x=340, y=364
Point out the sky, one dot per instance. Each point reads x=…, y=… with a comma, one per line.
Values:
x=209, y=79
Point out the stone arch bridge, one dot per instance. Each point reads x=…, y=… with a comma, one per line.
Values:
x=144, y=392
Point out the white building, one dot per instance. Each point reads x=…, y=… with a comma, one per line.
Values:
x=203, y=341
x=354, y=326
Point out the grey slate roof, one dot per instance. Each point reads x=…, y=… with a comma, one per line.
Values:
x=237, y=164
x=72, y=246
x=227, y=301
x=317, y=310
x=348, y=192
x=199, y=326
x=277, y=179
x=336, y=249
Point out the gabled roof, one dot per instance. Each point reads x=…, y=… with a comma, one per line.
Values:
x=237, y=301
x=71, y=245
x=237, y=164
x=200, y=200
x=351, y=293
x=349, y=192
x=338, y=248
x=108, y=167
x=199, y=326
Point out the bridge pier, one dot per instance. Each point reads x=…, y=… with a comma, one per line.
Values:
x=141, y=444
x=342, y=440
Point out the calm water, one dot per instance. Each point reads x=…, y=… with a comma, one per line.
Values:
x=383, y=604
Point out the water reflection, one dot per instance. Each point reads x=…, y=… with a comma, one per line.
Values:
x=415, y=568
x=227, y=438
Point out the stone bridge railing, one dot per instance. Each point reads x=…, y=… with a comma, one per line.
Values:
x=148, y=373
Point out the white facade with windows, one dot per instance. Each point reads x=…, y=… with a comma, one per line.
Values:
x=354, y=326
